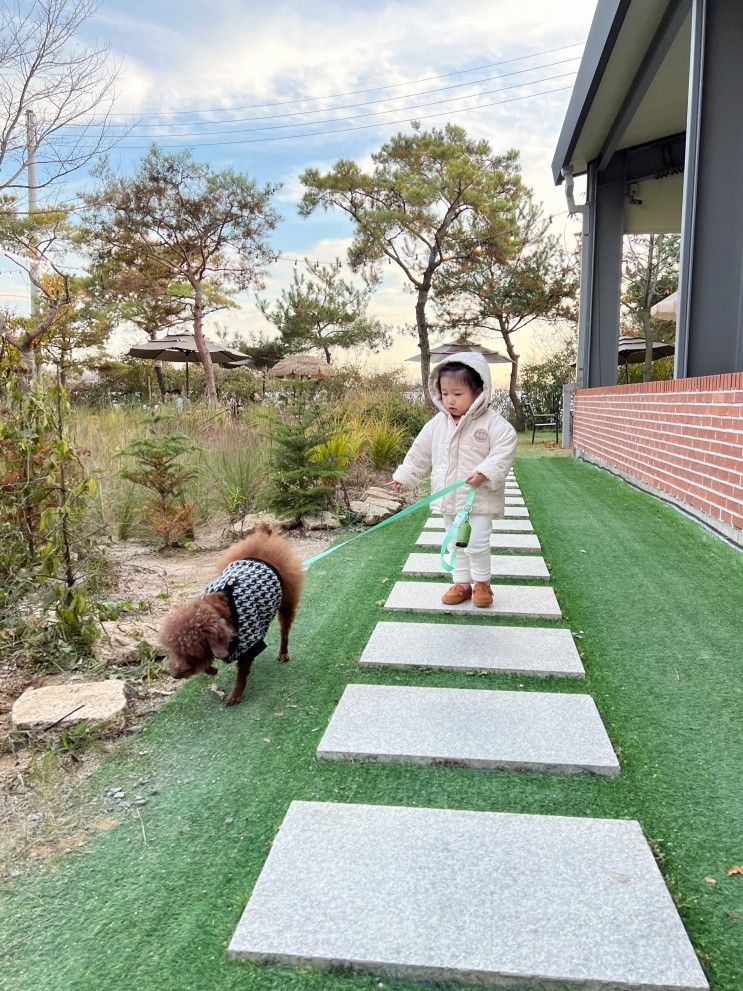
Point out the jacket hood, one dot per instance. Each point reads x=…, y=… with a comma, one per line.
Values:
x=475, y=360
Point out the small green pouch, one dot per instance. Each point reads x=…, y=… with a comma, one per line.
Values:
x=464, y=532
x=458, y=534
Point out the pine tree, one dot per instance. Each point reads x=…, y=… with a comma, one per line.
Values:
x=302, y=475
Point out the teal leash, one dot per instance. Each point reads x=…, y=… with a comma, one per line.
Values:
x=391, y=519
x=449, y=557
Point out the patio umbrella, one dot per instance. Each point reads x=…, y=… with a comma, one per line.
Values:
x=455, y=347
x=631, y=351
x=303, y=366
x=182, y=347
x=666, y=309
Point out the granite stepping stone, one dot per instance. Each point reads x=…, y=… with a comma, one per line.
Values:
x=514, y=500
x=469, y=727
x=492, y=898
x=502, y=565
x=535, y=601
x=499, y=525
x=503, y=541
x=512, y=511
x=538, y=651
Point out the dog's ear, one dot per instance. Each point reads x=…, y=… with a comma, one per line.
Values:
x=220, y=636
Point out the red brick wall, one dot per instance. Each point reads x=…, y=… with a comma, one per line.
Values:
x=682, y=438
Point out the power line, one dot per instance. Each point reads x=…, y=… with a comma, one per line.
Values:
x=372, y=113
x=357, y=92
x=348, y=106
x=345, y=130
x=77, y=201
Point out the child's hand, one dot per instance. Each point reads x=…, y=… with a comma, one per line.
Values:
x=395, y=486
x=476, y=479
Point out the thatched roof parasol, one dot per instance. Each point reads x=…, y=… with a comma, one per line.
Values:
x=303, y=366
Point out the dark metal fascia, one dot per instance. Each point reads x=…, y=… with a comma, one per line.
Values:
x=605, y=28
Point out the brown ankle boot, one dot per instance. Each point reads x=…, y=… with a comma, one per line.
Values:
x=456, y=595
x=482, y=595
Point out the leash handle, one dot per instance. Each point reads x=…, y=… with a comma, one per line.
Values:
x=448, y=554
x=390, y=519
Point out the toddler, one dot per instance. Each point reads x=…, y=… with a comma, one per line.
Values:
x=469, y=440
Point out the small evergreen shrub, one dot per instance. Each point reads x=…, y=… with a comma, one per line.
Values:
x=159, y=468
x=304, y=469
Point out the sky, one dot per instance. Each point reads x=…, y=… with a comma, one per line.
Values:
x=270, y=90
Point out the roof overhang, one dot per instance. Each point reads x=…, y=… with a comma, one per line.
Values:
x=631, y=87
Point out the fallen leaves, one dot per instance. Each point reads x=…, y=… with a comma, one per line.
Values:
x=737, y=869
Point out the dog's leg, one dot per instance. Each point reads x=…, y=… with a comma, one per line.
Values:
x=241, y=679
x=287, y=611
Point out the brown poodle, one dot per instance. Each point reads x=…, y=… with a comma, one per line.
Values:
x=260, y=577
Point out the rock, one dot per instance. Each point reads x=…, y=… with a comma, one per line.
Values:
x=357, y=506
x=325, y=521
x=67, y=705
x=251, y=520
x=379, y=507
x=377, y=494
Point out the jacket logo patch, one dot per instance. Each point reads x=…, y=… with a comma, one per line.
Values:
x=481, y=434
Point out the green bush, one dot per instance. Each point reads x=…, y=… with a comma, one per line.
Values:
x=384, y=444
x=238, y=473
x=47, y=548
x=303, y=469
x=400, y=412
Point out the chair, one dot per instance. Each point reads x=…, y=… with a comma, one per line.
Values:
x=542, y=421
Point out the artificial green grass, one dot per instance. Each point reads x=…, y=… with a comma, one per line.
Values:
x=656, y=606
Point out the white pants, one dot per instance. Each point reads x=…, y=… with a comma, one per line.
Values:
x=473, y=561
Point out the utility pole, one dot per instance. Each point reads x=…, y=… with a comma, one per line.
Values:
x=32, y=201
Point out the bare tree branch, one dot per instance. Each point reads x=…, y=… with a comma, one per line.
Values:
x=70, y=90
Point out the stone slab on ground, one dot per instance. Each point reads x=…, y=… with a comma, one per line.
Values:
x=539, y=651
x=499, y=525
x=490, y=898
x=503, y=541
x=535, y=601
x=512, y=511
x=469, y=727
x=503, y=566
x=514, y=500
x=66, y=705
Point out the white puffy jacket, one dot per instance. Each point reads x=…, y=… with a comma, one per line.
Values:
x=482, y=441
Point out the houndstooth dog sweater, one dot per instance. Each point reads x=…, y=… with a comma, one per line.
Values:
x=253, y=590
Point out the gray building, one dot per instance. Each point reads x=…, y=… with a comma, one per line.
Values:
x=654, y=122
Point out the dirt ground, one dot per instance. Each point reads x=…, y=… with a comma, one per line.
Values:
x=39, y=775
